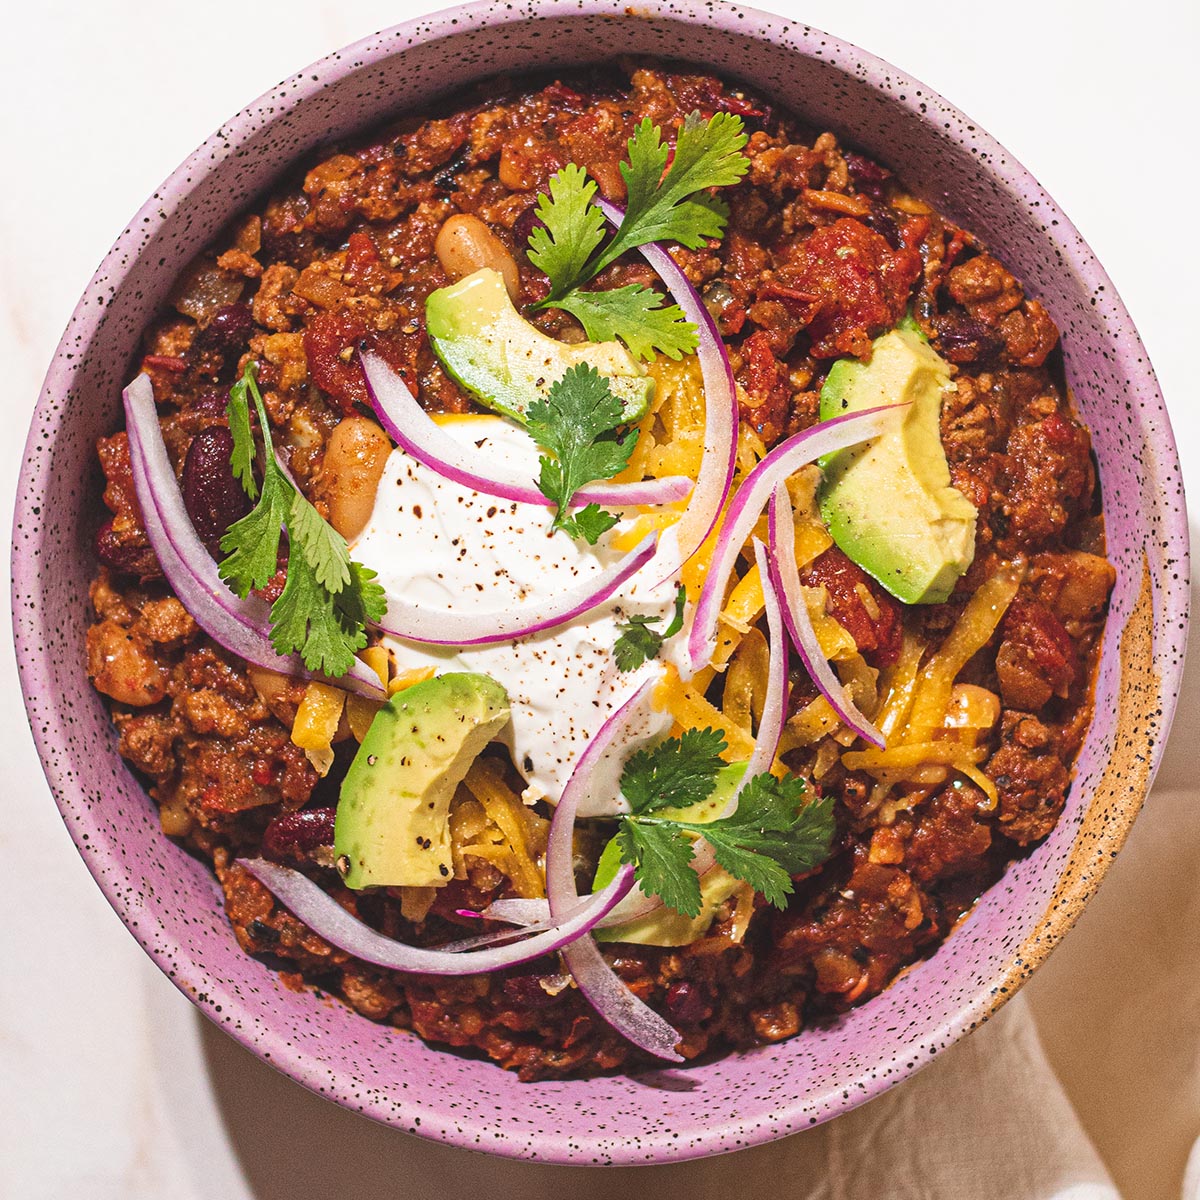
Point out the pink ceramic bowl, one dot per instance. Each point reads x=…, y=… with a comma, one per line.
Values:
x=172, y=904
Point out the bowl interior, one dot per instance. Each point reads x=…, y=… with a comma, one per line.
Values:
x=173, y=905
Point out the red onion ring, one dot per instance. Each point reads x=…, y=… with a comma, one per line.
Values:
x=442, y=628
x=720, y=411
x=786, y=578
x=603, y=988
x=774, y=714
x=412, y=429
x=747, y=504
x=329, y=920
x=241, y=626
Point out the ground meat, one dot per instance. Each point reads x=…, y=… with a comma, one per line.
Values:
x=1048, y=473
x=984, y=288
x=951, y=836
x=1031, y=777
x=824, y=251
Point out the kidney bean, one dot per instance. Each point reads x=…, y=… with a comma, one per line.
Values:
x=128, y=557
x=227, y=332
x=869, y=177
x=688, y=1002
x=525, y=992
x=213, y=497
x=883, y=221
x=963, y=339
x=293, y=836
x=209, y=402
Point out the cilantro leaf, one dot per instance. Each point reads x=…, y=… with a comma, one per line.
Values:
x=674, y=773
x=577, y=424
x=322, y=546
x=635, y=314
x=664, y=203
x=772, y=835
x=708, y=154
x=327, y=598
x=252, y=543
x=588, y=522
x=661, y=864
x=638, y=643
x=364, y=600
x=572, y=227
x=308, y=618
x=238, y=413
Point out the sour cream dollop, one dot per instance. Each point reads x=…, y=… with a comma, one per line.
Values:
x=446, y=547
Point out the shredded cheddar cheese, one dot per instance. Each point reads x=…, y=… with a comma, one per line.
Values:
x=316, y=723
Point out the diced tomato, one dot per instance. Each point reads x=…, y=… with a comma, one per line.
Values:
x=861, y=282
x=331, y=342
x=877, y=637
x=364, y=267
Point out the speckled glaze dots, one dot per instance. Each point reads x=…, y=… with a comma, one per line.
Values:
x=173, y=906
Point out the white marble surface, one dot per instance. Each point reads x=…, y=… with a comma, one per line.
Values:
x=121, y=1091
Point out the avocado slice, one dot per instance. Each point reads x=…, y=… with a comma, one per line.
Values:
x=665, y=926
x=392, y=827
x=888, y=503
x=507, y=363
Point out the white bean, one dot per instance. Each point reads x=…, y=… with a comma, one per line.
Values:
x=465, y=244
x=354, y=458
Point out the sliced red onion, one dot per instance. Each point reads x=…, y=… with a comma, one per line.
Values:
x=442, y=628
x=720, y=412
x=496, y=936
x=329, y=920
x=532, y=913
x=774, y=713
x=747, y=504
x=241, y=626
x=514, y=911
x=417, y=434
x=786, y=577
x=603, y=988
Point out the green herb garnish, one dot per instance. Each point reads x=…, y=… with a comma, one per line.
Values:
x=664, y=204
x=578, y=424
x=639, y=643
x=772, y=835
x=327, y=598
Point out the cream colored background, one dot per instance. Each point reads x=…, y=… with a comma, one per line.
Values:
x=120, y=1090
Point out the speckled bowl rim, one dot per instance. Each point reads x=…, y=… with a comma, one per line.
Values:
x=206, y=992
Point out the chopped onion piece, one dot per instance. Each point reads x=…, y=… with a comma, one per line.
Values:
x=241, y=626
x=443, y=628
x=747, y=505
x=329, y=920
x=603, y=988
x=418, y=435
x=786, y=578
x=720, y=413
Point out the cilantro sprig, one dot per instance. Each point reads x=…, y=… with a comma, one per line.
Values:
x=773, y=834
x=668, y=200
x=638, y=643
x=578, y=425
x=327, y=597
